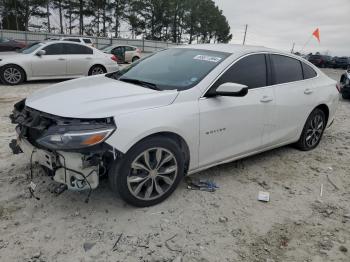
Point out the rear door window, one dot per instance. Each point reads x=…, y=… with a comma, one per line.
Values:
x=74, y=49
x=54, y=49
x=250, y=71
x=286, y=69
x=129, y=48
x=308, y=71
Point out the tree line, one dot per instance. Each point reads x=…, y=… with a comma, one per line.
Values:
x=178, y=21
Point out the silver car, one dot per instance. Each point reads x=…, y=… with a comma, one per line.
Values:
x=54, y=60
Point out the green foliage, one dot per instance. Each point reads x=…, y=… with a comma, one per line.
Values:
x=166, y=20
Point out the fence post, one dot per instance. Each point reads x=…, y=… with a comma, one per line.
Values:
x=143, y=43
x=25, y=37
x=2, y=34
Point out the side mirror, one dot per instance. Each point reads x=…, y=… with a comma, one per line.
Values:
x=231, y=89
x=41, y=52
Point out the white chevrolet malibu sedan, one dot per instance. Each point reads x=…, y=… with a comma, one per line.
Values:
x=54, y=60
x=176, y=112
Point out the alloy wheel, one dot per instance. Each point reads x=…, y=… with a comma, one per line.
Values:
x=314, y=131
x=12, y=75
x=97, y=70
x=152, y=173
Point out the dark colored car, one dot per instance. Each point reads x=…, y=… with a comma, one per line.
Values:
x=10, y=45
x=341, y=62
x=345, y=84
x=321, y=60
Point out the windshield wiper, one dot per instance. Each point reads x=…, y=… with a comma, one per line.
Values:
x=140, y=82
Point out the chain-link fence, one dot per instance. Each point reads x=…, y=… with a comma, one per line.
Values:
x=99, y=42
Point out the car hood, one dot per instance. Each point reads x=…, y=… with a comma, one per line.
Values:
x=10, y=55
x=97, y=97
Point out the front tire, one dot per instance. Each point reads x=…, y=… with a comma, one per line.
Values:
x=148, y=173
x=12, y=75
x=312, y=131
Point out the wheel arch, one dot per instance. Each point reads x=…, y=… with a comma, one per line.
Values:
x=97, y=64
x=179, y=140
x=325, y=110
x=135, y=56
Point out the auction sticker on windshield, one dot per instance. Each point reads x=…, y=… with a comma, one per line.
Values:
x=207, y=58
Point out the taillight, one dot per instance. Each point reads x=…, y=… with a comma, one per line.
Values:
x=114, y=58
x=338, y=87
x=138, y=50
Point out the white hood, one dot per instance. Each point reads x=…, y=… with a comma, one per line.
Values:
x=97, y=97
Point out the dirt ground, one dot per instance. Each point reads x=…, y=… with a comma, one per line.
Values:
x=227, y=225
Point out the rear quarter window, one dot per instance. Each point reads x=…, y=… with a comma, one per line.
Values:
x=87, y=41
x=308, y=71
x=286, y=69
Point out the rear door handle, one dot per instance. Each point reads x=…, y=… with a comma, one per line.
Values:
x=61, y=59
x=88, y=58
x=308, y=91
x=266, y=99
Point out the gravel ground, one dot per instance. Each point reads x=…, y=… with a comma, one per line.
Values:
x=227, y=225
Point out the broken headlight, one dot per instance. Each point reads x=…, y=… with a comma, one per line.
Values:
x=74, y=137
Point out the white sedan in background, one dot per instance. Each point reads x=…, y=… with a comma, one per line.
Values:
x=176, y=112
x=54, y=60
x=124, y=53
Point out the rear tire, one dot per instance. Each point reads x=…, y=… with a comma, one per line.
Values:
x=12, y=75
x=148, y=173
x=135, y=58
x=312, y=131
x=97, y=70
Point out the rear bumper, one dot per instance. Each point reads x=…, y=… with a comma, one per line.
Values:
x=112, y=68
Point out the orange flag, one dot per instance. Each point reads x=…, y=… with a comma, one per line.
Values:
x=316, y=34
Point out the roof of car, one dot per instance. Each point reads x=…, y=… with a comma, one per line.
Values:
x=60, y=42
x=230, y=48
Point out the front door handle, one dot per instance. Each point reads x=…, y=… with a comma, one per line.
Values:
x=61, y=59
x=308, y=91
x=266, y=99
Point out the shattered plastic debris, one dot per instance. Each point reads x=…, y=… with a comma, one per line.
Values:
x=264, y=196
x=201, y=184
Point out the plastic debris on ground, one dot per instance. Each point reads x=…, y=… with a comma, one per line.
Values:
x=264, y=196
x=201, y=184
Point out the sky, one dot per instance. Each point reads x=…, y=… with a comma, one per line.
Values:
x=280, y=23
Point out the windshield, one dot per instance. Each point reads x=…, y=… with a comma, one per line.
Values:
x=30, y=48
x=107, y=48
x=3, y=40
x=175, y=68
x=342, y=59
x=315, y=57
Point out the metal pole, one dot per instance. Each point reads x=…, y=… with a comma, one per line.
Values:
x=245, y=33
x=292, y=51
x=143, y=43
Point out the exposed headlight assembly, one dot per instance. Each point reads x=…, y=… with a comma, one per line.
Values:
x=75, y=137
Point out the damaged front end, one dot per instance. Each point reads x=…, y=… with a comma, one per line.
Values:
x=72, y=150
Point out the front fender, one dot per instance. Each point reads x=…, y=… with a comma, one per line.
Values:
x=181, y=119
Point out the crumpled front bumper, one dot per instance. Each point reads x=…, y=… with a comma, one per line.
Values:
x=68, y=168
